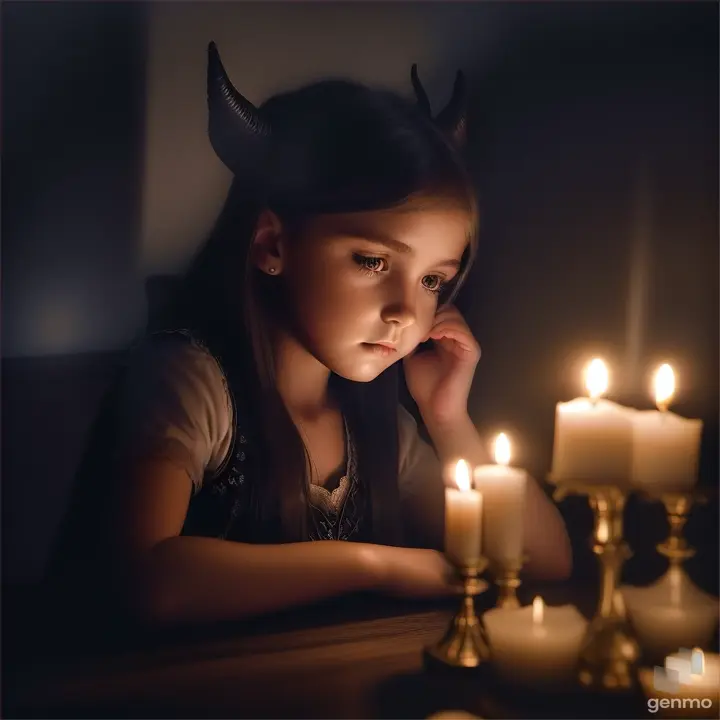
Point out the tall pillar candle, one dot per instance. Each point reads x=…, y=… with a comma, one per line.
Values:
x=503, y=492
x=463, y=519
x=593, y=440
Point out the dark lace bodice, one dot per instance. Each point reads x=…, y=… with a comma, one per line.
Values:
x=223, y=507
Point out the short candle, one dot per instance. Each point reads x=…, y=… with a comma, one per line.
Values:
x=463, y=520
x=593, y=440
x=535, y=645
x=670, y=614
x=666, y=447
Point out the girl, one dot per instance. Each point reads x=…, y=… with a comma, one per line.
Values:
x=265, y=414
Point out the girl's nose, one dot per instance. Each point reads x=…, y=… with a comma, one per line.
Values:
x=400, y=310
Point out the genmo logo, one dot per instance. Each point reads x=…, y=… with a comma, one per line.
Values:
x=686, y=677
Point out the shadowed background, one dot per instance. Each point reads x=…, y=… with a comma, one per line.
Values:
x=593, y=139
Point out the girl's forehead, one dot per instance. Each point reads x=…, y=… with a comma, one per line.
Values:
x=427, y=226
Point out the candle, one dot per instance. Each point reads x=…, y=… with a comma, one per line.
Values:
x=666, y=446
x=671, y=613
x=536, y=645
x=593, y=437
x=503, y=492
x=463, y=519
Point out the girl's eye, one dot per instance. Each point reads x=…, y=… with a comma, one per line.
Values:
x=371, y=265
x=433, y=284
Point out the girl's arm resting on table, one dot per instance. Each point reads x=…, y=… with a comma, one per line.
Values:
x=173, y=578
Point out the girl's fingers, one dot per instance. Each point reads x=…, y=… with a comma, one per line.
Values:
x=462, y=338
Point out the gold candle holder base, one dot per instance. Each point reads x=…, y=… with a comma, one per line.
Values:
x=507, y=579
x=465, y=644
x=609, y=656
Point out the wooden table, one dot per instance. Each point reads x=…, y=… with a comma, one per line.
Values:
x=356, y=657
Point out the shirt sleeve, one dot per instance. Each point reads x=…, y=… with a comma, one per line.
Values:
x=175, y=405
x=422, y=492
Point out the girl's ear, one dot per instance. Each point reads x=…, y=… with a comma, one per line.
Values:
x=267, y=247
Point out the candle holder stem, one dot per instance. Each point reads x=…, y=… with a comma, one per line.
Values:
x=608, y=660
x=507, y=579
x=609, y=656
x=677, y=506
x=465, y=644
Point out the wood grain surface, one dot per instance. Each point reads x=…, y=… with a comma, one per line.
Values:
x=353, y=658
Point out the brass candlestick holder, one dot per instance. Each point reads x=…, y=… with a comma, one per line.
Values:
x=507, y=578
x=465, y=643
x=674, y=589
x=678, y=506
x=609, y=657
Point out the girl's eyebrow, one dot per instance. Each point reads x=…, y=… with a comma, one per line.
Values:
x=396, y=245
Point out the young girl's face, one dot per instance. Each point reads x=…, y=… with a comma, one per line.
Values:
x=364, y=287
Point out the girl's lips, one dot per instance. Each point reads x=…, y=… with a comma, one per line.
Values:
x=382, y=349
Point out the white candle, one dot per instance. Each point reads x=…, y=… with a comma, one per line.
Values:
x=670, y=614
x=666, y=447
x=463, y=519
x=661, y=629
x=536, y=645
x=593, y=437
x=503, y=492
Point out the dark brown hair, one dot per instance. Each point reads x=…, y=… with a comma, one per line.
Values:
x=336, y=147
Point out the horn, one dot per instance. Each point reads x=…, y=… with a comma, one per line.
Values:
x=453, y=117
x=452, y=120
x=234, y=123
x=420, y=94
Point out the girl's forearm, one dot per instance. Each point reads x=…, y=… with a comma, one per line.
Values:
x=197, y=579
x=546, y=540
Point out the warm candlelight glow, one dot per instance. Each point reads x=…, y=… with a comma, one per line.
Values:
x=603, y=532
x=596, y=378
x=462, y=476
x=664, y=386
x=538, y=608
x=675, y=579
x=502, y=449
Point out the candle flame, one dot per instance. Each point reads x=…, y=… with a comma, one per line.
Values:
x=462, y=476
x=664, y=386
x=596, y=378
x=538, y=610
x=502, y=449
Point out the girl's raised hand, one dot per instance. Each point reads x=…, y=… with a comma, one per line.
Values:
x=440, y=379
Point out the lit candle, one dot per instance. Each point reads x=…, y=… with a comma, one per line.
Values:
x=536, y=645
x=666, y=446
x=593, y=437
x=463, y=519
x=503, y=492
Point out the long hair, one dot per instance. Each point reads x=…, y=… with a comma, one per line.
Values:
x=336, y=147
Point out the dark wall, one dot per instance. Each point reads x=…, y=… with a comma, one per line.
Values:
x=72, y=144
x=73, y=99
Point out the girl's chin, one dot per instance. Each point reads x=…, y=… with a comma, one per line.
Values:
x=366, y=371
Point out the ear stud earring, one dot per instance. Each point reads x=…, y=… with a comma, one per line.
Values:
x=271, y=270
